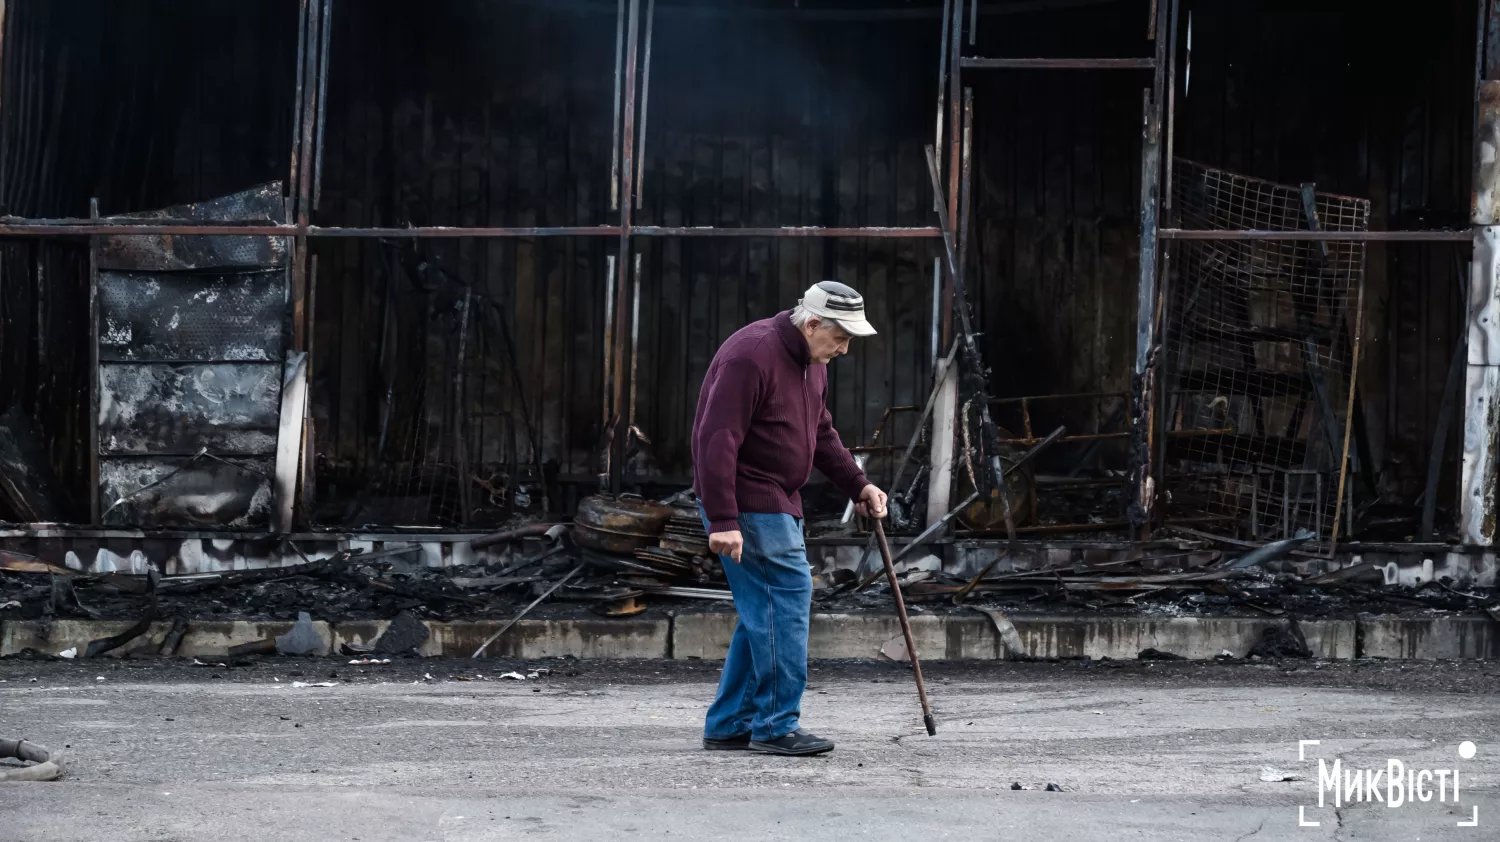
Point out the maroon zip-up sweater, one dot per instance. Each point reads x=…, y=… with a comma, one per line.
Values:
x=762, y=426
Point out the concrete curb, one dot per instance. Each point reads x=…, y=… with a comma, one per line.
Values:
x=203, y=639
x=855, y=636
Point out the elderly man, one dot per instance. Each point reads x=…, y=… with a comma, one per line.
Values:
x=760, y=429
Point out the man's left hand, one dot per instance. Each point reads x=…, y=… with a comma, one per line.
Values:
x=871, y=502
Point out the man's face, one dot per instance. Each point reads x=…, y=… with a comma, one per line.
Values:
x=825, y=340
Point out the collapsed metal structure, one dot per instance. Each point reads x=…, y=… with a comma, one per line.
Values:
x=221, y=411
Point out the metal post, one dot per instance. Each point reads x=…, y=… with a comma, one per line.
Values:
x=322, y=109
x=94, y=502
x=614, y=144
x=309, y=433
x=460, y=428
x=942, y=91
x=1148, y=302
x=302, y=167
x=1171, y=107
x=945, y=413
x=640, y=149
x=620, y=432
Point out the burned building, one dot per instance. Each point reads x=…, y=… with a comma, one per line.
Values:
x=360, y=271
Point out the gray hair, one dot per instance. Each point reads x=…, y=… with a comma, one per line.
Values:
x=801, y=316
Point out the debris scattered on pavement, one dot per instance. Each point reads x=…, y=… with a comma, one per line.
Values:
x=314, y=684
x=302, y=638
x=404, y=636
x=365, y=662
x=47, y=765
x=514, y=675
x=1153, y=654
x=1278, y=642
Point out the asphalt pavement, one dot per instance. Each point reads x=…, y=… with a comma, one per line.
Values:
x=451, y=750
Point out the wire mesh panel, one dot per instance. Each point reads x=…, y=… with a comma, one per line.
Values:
x=1259, y=356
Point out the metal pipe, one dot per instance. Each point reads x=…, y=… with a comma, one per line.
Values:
x=609, y=335
x=317, y=172
x=614, y=144
x=95, y=513
x=911, y=646
x=942, y=92
x=84, y=227
x=460, y=444
x=974, y=63
x=309, y=92
x=937, y=526
x=292, y=176
x=640, y=150
x=524, y=611
x=937, y=306
x=635, y=337
x=1065, y=396
x=387, y=368
x=1166, y=187
x=1359, y=320
x=955, y=32
x=788, y=231
x=617, y=438
x=1031, y=440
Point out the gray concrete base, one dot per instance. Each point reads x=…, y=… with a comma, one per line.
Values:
x=832, y=636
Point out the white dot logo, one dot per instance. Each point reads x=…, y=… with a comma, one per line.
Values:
x=1467, y=749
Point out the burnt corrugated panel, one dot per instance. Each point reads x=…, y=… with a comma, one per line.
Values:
x=168, y=316
x=168, y=252
x=169, y=492
x=158, y=408
x=169, y=334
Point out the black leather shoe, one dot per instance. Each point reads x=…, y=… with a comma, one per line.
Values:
x=740, y=743
x=798, y=743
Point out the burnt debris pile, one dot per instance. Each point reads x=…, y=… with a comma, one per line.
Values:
x=617, y=555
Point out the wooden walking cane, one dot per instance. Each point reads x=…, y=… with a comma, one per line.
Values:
x=911, y=646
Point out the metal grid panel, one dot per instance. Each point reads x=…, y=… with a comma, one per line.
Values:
x=189, y=378
x=166, y=316
x=1258, y=355
x=166, y=252
x=227, y=408
x=192, y=491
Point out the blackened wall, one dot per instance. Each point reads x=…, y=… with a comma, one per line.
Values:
x=481, y=113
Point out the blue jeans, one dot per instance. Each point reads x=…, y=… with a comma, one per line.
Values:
x=760, y=689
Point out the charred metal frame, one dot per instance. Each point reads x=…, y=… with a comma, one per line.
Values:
x=631, y=71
